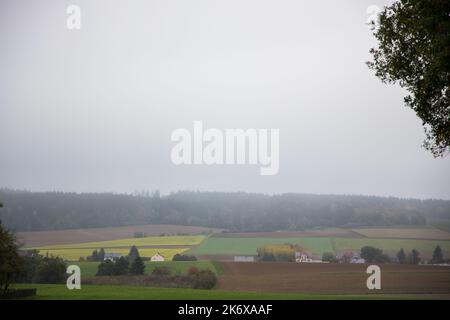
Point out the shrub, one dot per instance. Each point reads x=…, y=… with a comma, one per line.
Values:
x=161, y=272
x=372, y=254
x=106, y=268
x=328, y=257
x=204, y=279
x=182, y=257
x=192, y=271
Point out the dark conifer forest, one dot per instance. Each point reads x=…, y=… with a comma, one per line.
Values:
x=238, y=211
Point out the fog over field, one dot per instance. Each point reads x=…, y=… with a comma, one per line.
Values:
x=93, y=110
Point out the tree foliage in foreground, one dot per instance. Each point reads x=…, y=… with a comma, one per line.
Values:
x=10, y=261
x=414, y=51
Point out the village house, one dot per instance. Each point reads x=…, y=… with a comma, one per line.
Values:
x=357, y=259
x=350, y=257
x=112, y=256
x=157, y=257
x=244, y=258
x=303, y=257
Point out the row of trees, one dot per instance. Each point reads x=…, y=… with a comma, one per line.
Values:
x=375, y=255
x=131, y=264
x=120, y=267
x=30, y=211
x=97, y=255
x=414, y=256
x=183, y=257
x=31, y=267
x=37, y=268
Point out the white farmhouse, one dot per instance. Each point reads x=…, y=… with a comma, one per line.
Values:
x=302, y=257
x=112, y=256
x=244, y=258
x=157, y=257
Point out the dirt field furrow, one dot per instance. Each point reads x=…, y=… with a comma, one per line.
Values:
x=332, y=278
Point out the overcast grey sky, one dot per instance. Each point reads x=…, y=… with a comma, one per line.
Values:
x=93, y=109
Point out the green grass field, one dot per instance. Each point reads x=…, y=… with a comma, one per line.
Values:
x=231, y=246
x=89, y=269
x=235, y=246
x=104, y=292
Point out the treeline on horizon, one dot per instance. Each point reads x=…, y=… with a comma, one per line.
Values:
x=235, y=212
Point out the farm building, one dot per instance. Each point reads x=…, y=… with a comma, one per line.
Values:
x=357, y=259
x=244, y=258
x=303, y=257
x=350, y=257
x=112, y=256
x=157, y=257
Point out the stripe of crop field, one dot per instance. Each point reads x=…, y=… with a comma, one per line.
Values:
x=76, y=253
x=146, y=241
x=231, y=246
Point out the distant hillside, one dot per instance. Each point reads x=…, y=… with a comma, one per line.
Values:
x=33, y=211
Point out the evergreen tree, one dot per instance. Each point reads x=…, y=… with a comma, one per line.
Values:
x=106, y=268
x=133, y=254
x=137, y=266
x=415, y=259
x=438, y=257
x=101, y=255
x=94, y=255
x=121, y=267
x=401, y=256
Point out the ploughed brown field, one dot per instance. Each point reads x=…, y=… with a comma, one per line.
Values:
x=56, y=237
x=325, y=278
x=404, y=233
x=331, y=233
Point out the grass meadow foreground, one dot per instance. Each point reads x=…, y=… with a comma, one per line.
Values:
x=105, y=292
